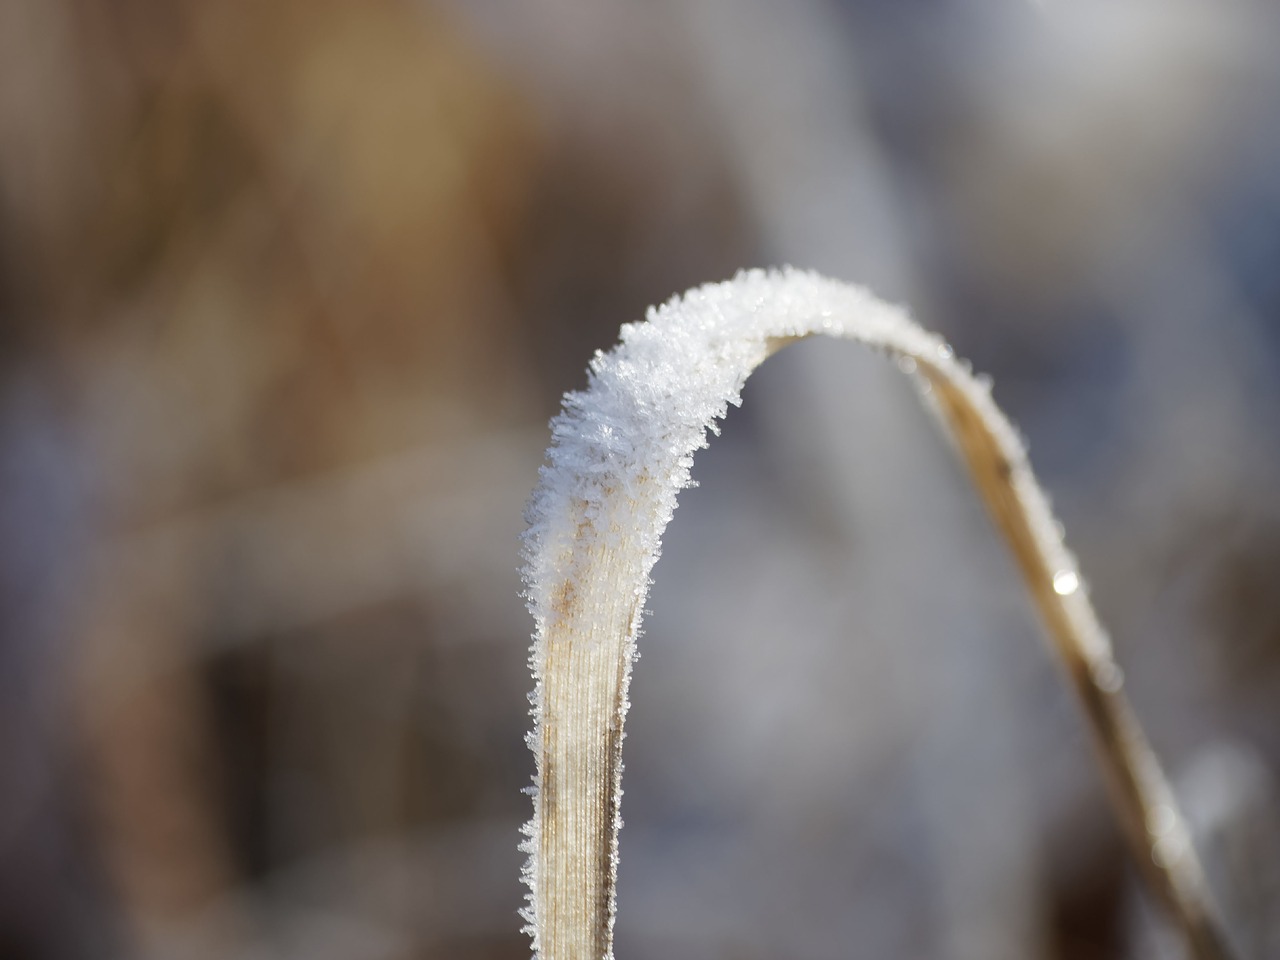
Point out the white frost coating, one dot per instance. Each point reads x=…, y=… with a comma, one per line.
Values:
x=650, y=401
x=621, y=451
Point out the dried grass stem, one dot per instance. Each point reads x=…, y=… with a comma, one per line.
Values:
x=622, y=450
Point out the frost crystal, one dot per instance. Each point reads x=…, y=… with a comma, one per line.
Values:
x=650, y=401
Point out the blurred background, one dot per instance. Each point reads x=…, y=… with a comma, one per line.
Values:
x=288, y=292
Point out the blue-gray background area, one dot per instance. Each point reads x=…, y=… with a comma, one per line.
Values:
x=288, y=293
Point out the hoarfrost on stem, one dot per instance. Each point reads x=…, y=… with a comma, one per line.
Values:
x=651, y=400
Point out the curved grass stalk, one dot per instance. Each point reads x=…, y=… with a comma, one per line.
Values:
x=622, y=450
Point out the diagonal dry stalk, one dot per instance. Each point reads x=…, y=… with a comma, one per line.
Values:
x=622, y=450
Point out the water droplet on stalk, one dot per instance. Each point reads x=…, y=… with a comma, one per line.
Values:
x=1161, y=820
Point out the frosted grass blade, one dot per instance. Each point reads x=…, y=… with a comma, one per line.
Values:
x=621, y=452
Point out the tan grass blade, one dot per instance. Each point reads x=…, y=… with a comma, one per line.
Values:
x=622, y=450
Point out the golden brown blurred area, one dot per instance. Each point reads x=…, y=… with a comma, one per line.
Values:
x=253, y=245
x=288, y=291
x=282, y=222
